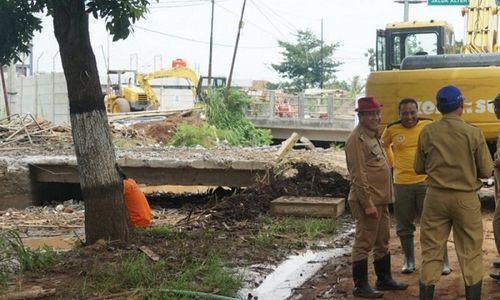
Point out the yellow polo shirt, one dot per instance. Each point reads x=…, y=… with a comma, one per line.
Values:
x=400, y=144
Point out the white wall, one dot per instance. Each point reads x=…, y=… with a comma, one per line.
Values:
x=42, y=95
x=45, y=95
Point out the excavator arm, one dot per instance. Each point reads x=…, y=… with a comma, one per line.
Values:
x=180, y=72
x=482, y=27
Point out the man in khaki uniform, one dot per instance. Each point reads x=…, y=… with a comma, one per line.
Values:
x=496, y=217
x=455, y=156
x=369, y=197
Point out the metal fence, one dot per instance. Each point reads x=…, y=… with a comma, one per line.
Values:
x=301, y=107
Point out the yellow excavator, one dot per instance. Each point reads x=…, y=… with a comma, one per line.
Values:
x=143, y=97
x=415, y=59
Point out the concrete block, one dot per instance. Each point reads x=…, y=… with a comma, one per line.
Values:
x=308, y=206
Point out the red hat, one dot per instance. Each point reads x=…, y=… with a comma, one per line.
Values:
x=368, y=104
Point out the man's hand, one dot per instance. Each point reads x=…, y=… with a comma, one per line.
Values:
x=371, y=212
x=496, y=162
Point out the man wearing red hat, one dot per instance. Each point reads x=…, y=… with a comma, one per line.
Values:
x=369, y=197
x=455, y=156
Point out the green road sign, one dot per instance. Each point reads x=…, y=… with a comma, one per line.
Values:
x=447, y=2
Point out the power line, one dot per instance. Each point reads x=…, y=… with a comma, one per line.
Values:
x=284, y=21
x=199, y=41
x=267, y=18
x=263, y=29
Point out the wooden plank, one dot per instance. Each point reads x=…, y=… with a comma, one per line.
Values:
x=287, y=145
x=308, y=206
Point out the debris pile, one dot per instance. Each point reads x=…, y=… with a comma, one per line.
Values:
x=66, y=216
x=293, y=179
x=23, y=131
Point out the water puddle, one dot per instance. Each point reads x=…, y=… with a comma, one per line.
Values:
x=290, y=274
x=177, y=189
x=58, y=243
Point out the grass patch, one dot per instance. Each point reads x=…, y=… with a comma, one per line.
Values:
x=208, y=274
x=12, y=249
x=124, y=143
x=204, y=274
x=293, y=232
x=230, y=120
x=165, y=232
x=226, y=122
x=192, y=135
x=29, y=260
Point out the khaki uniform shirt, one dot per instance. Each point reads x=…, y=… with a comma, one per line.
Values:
x=452, y=153
x=497, y=154
x=368, y=168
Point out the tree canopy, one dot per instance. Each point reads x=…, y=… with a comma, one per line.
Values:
x=17, y=27
x=308, y=62
x=20, y=19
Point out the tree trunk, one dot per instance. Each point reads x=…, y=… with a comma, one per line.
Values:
x=106, y=215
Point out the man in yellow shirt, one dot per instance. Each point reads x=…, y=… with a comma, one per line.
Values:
x=400, y=143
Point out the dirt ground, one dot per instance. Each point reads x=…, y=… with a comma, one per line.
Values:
x=334, y=281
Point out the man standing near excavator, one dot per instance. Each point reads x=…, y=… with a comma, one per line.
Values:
x=369, y=197
x=496, y=217
x=455, y=156
x=400, y=143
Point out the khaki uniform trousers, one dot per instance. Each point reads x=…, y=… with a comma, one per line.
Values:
x=444, y=209
x=371, y=233
x=496, y=217
x=408, y=206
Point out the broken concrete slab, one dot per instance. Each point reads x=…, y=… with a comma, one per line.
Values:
x=326, y=207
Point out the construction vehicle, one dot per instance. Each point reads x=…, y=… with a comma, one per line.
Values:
x=126, y=98
x=143, y=97
x=415, y=59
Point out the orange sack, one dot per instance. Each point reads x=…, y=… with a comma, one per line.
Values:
x=138, y=207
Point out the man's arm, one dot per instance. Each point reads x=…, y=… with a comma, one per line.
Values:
x=496, y=162
x=419, y=163
x=355, y=163
x=483, y=159
x=387, y=142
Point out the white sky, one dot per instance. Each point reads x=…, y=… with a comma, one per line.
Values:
x=181, y=29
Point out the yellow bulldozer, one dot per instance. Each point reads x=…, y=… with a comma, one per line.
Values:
x=415, y=59
x=126, y=98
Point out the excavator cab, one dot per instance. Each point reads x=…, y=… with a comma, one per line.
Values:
x=403, y=39
x=215, y=83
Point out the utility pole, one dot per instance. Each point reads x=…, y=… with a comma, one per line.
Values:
x=240, y=24
x=4, y=88
x=211, y=47
x=407, y=6
x=321, y=58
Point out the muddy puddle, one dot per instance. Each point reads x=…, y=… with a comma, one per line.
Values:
x=59, y=243
x=284, y=279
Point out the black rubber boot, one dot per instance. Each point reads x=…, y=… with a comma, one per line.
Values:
x=446, y=263
x=384, y=275
x=426, y=291
x=409, y=254
x=360, y=276
x=495, y=275
x=473, y=292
